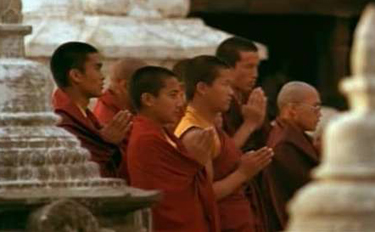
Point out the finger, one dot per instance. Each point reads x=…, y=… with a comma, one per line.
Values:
x=264, y=163
x=261, y=151
x=117, y=119
x=259, y=98
x=123, y=120
x=250, y=152
x=128, y=128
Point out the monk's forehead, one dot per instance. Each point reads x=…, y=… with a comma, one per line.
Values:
x=297, y=93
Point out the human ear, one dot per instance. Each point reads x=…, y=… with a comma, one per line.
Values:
x=201, y=88
x=75, y=75
x=147, y=99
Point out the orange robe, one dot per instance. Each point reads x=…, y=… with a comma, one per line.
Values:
x=107, y=106
x=158, y=160
x=232, y=120
x=294, y=158
x=234, y=209
x=86, y=128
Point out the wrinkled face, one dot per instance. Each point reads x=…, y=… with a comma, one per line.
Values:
x=91, y=80
x=167, y=105
x=219, y=94
x=246, y=71
x=307, y=113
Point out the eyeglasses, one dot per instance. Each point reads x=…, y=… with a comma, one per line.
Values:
x=317, y=107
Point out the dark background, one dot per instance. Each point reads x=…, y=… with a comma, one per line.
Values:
x=307, y=40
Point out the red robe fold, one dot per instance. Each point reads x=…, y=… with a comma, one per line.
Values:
x=295, y=157
x=86, y=129
x=235, y=212
x=188, y=204
x=232, y=120
x=107, y=106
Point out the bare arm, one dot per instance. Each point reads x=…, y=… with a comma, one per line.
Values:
x=251, y=164
x=198, y=143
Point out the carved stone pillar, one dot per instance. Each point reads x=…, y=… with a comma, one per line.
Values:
x=342, y=198
x=41, y=163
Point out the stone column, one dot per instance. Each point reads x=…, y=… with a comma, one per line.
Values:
x=11, y=32
x=342, y=197
x=47, y=181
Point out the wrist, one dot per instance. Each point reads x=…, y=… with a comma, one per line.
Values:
x=241, y=175
x=249, y=124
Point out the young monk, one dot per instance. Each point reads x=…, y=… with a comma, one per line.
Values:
x=244, y=121
x=209, y=93
x=76, y=69
x=295, y=154
x=247, y=111
x=158, y=160
x=116, y=98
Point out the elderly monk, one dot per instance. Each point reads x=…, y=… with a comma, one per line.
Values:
x=209, y=93
x=76, y=69
x=244, y=121
x=158, y=160
x=295, y=154
x=116, y=98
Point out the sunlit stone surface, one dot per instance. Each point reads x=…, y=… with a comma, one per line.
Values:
x=154, y=30
x=41, y=163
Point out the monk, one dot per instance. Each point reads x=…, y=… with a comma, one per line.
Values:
x=116, y=98
x=158, y=160
x=248, y=107
x=209, y=93
x=295, y=154
x=244, y=121
x=76, y=69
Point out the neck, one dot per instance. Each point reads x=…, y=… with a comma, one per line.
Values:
x=290, y=121
x=78, y=98
x=204, y=110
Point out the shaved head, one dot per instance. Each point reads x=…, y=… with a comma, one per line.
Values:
x=299, y=103
x=125, y=68
x=294, y=92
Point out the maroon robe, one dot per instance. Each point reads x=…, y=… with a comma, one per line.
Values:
x=87, y=130
x=232, y=120
x=235, y=211
x=107, y=106
x=290, y=169
x=188, y=204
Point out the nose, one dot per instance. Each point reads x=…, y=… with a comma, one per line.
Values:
x=231, y=91
x=180, y=100
x=255, y=73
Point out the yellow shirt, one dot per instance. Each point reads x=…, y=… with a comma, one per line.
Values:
x=193, y=119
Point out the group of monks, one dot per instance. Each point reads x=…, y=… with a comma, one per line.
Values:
x=199, y=134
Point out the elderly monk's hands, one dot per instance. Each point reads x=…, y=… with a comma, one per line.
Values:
x=253, y=162
x=198, y=143
x=254, y=110
x=116, y=130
